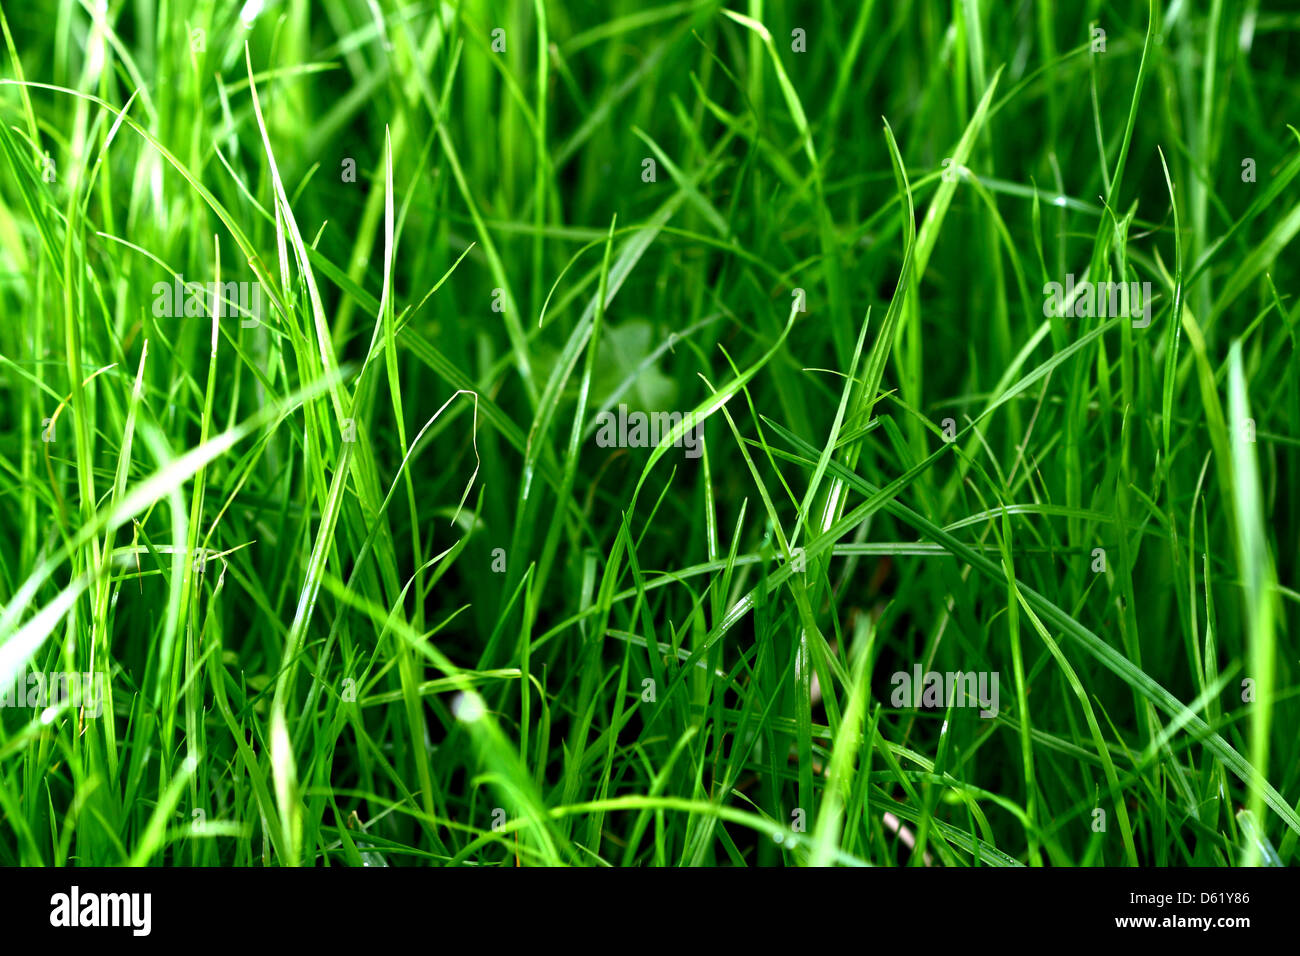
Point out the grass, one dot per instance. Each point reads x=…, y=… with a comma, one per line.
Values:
x=339, y=541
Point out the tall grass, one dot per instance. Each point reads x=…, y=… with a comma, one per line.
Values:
x=337, y=533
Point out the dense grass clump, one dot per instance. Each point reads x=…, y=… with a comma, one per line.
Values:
x=499, y=433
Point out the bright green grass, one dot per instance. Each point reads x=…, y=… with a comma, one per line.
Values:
x=364, y=588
